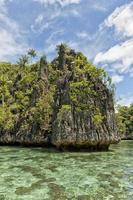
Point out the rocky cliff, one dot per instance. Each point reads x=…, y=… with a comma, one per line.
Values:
x=67, y=103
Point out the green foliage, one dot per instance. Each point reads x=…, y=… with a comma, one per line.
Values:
x=64, y=110
x=98, y=118
x=6, y=118
x=124, y=118
x=27, y=91
x=79, y=93
x=23, y=60
x=82, y=87
x=42, y=112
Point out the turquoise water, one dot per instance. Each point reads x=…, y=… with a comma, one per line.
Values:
x=40, y=174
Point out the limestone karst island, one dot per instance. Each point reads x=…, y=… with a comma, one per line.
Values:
x=66, y=100
x=67, y=103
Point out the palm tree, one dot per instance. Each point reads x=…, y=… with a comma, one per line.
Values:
x=32, y=53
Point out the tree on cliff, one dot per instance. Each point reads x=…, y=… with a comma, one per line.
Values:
x=62, y=49
x=32, y=53
x=23, y=60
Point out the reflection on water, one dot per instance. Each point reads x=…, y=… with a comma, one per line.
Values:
x=40, y=174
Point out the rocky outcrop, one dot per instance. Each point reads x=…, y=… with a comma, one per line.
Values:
x=67, y=103
x=73, y=129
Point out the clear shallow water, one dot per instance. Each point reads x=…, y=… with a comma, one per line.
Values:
x=40, y=174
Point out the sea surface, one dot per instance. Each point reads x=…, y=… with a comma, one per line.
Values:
x=44, y=174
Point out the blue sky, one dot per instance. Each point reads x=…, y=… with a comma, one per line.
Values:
x=101, y=29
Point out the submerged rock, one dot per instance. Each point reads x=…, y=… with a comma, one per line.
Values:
x=67, y=103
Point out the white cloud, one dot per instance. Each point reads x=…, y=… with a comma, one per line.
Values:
x=9, y=45
x=122, y=20
x=39, y=19
x=99, y=7
x=48, y=19
x=118, y=67
x=121, y=54
x=126, y=100
x=117, y=78
x=54, y=35
x=44, y=21
x=11, y=37
x=131, y=72
x=82, y=35
x=2, y=5
x=61, y=2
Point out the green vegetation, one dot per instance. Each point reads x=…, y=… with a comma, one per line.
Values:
x=27, y=89
x=98, y=118
x=125, y=121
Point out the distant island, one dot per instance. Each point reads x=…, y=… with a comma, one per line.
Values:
x=66, y=103
x=124, y=118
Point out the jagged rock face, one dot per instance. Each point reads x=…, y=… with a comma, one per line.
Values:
x=77, y=129
x=24, y=138
x=27, y=136
x=81, y=133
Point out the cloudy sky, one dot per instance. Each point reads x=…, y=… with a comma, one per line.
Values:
x=101, y=29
